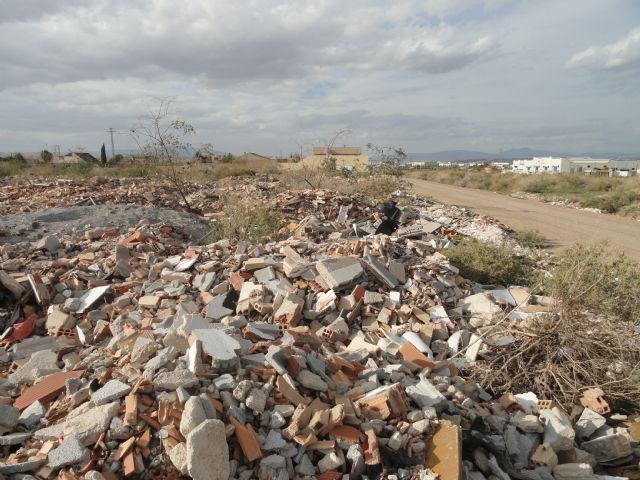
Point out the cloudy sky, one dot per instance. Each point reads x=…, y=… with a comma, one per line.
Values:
x=270, y=75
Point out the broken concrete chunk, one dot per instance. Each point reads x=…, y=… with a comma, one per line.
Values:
x=208, y=452
x=88, y=426
x=112, y=390
x=174, y=379
x=426, y=395
x=341, y=272
x=69, y=452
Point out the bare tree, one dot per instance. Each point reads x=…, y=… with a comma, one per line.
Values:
x=329, y=161
x=164, y=140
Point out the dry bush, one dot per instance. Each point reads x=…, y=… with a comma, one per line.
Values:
x=591, y=342
x=244, y=221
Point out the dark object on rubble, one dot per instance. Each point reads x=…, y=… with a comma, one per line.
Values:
x=231, y=300
x=391, y=216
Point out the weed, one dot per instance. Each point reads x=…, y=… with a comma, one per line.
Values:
x=243, y=221
x=10, y=168
x=531, y=239
x=592, y=277
x=486, y=263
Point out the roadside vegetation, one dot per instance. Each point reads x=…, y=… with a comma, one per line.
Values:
x=590, y=338
x=610, y=194
x=486, y=263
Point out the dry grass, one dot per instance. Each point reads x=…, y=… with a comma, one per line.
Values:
x=591, y=342
x=374, y=185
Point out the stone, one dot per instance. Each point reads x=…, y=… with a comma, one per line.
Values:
x=49, y=243
x=178, y=456
x=208, y=452
x=608, y=448
x=312, y=381
x=177, y=378
x=40, y=363
x=331, y=461
x=396, y=440
x=161, y=358
x=149, y=301
x=426, y=395
x=118, y=430
x=574, y=471
x=88, y=425
x=14, y=439
x=30, y=416
x=220, y=346
x=192, y=415
x=305, y=467
x=70, y=452
x=380, y=271
x=9, y=417
x=588, y=423
x=94, y=475
x=520, y=446
x=242, y=390
x=215, y=310
x=274, y=441
x=143, y=349
x=21, y=467
x=557, y=429
x=112, y=390
x=256, y=400
x=59, y=319
x=544, y=456
x=340, y=272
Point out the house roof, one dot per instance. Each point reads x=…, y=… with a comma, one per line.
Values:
x=87, y=157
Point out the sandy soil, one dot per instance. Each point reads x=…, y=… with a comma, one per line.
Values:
x=562, y=226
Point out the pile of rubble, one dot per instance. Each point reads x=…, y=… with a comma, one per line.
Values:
x=336, y=353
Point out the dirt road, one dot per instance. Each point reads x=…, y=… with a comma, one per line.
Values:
x=562, y=226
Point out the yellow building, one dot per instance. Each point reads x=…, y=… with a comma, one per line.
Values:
x=346, y=157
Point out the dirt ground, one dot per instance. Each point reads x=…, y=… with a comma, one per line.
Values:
x=561, y=226
x=67, y=220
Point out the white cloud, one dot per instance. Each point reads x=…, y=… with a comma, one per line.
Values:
x=621, y=55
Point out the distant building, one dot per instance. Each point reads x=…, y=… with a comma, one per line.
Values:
x=253, y=157
x=501, y=165
x=346, y=157
x=76, y=157
x=585, y=165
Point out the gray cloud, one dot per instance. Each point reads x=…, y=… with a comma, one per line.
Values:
x=263, y=74
x=621, y=55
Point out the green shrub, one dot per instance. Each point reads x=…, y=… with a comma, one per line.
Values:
x=612, y=201
x=246, y=221
x=226, y=158
x=486, y=263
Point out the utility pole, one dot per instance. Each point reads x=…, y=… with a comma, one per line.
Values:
x=113, y=150
x=56, y=149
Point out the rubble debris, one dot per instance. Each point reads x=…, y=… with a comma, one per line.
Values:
x=334, y=352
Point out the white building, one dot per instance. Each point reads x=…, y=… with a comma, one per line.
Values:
x=585, y=165
x=540, y=165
